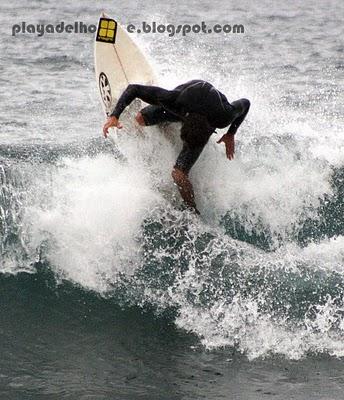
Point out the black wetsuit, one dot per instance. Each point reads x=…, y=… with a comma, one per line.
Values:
x=197, y=104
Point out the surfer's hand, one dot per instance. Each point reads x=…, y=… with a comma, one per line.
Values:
x=111, y=121
x=228, y=140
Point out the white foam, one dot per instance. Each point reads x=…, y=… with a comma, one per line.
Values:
x=94, y=216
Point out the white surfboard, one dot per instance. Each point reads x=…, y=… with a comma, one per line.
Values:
x=118, y=62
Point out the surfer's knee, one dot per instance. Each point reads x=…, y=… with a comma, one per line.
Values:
x=139, y=119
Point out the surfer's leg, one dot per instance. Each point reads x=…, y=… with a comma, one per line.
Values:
x=185, y=188
x=196, y=130
x=152, y=115
x=195, y=133
x=186, y=159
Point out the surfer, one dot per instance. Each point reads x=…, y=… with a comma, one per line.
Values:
x=199, y=107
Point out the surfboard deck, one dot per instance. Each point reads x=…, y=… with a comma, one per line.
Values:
x=118, y=62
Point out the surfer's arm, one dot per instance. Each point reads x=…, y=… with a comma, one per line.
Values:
x=242, y=106
x=235, y=124
x=130, y=94
x=149, y=94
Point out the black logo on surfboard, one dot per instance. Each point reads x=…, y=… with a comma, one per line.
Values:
x=105, y=91
x=107, y=29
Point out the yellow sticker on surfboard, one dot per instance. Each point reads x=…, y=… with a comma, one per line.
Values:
x=107, y=29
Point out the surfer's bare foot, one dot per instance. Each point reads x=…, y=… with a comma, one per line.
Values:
x=185, y=188
x=110, y=122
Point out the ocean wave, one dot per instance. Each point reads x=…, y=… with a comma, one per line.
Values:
x=260, y=289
